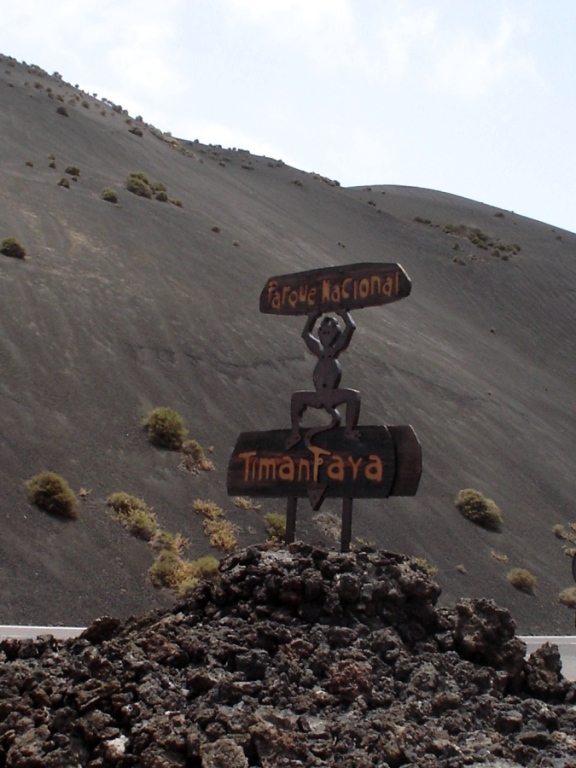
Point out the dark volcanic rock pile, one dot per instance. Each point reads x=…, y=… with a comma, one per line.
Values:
x=297, y=657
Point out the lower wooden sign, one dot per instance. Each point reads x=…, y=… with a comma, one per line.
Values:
x=382, y=462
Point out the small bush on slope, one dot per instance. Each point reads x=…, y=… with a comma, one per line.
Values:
x=478, y=509
x=138, y=184
x=522, y=580
x=110, y=195
x=165, y=428
x=568, y=597
x=134, y=514
x=11, y=247
x=169, y=569
x=220, y=532
x=52, y=493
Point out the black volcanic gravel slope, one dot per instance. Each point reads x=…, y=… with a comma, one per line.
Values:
x=121, y=308
x=295, y=657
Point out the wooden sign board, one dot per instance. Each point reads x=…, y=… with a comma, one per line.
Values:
x=326, y=290
x=385, y=461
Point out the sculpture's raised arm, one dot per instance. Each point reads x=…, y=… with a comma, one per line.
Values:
x=311, y=341
x=348, y=332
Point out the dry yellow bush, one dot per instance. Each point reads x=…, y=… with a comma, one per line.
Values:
x=208, y=508
x=568, y=597
x=561, y=533
x=220, y=534
x=522, y=580
x=134, y=514
x=426, y=565
x=174, y=542
x=244, y=503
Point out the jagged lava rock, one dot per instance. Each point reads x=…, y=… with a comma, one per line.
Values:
x=295, y=656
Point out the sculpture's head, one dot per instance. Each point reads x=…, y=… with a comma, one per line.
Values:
x=328, y=331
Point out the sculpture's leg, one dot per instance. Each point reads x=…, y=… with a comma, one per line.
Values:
x=352, y=400
x=335, y=422
x=297, y=409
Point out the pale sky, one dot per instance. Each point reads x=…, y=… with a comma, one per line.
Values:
x=472, y=97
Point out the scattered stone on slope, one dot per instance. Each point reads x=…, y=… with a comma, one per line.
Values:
x=296, y=657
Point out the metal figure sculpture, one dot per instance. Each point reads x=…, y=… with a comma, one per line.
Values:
x=331, y=342
x=368, y=462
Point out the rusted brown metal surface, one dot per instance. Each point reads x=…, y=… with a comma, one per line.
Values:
x=352, y=286
x=383, y=461
x=328, y=461
x=327, y=395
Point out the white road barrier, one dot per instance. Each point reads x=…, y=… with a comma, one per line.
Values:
x=61, y=633
x=566, y=643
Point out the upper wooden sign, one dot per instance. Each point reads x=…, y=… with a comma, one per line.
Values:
x=326, y=290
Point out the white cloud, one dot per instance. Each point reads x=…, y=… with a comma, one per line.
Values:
x=312, y=14
x=403, y=32
x=321, y=31
x=469, y=64
x=77, y=33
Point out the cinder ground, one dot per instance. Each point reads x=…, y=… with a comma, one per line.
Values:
x=120, y=308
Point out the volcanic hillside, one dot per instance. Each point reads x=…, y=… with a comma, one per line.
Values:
x=121, y=308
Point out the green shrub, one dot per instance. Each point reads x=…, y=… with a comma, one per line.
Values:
x=52, y=493
x=175, y=542
x=478, y=509
x=11, y=247
x=512, y=248
x=193, y=450
x=110, y=195
x=136, y=130
x=275, y=526
x=193, y=458
x=170, y=570
x=164, y=570
x=140, y=175
x=187, y=586
x=522, y=580
x=62, y=111
x=206, y=567
x=138, y=184
x=72, y=170
x=134, y=514
x=161, y=196
x=165, y=429
x=64, y=182
x=192, y=571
